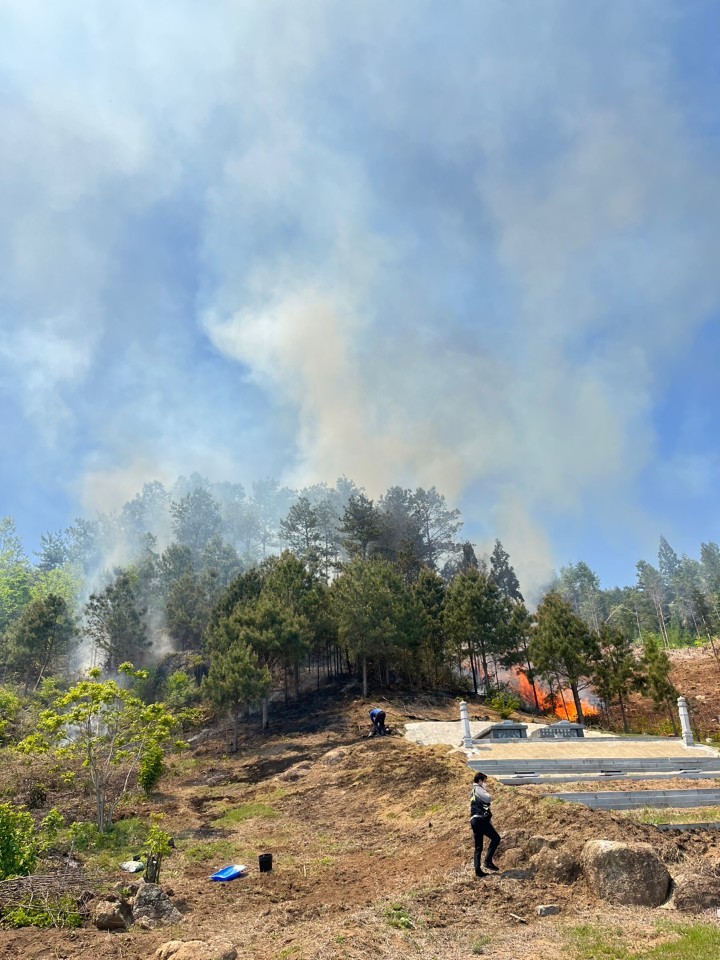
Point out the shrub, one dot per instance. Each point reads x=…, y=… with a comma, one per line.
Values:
x=18, y=844
x=504, y=702
x=10, y=705
x=31, y=913
x=152, y=767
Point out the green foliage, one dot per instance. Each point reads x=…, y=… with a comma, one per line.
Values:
x=562, y=648
x=235, y=677
x=246, y=811
x=18, y=843
x=370, y=603
x=504, y=702
x=115, y=620
x=696, y=941
x=108, y=729
x=10, y=706
x=152, y=767
x=617, y=672
x=118, y=838
x=61, y=912
x=479, y=945
x=40, y=637
x=209, y=850
x=397, y=916
x=479, y=622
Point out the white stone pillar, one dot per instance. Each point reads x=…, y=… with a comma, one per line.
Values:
x=685, y=721
x=465, y=724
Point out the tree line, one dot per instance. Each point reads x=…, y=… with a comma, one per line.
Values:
x=269, y=589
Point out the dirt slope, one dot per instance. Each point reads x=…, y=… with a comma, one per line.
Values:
x=371, y=845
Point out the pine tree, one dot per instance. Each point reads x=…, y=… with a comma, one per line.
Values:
x=618, y=671
x=235, y=679
x=562, y=648
x=503, y=574
x=657, y=684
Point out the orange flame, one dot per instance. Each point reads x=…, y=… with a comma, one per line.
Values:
x=562, y=705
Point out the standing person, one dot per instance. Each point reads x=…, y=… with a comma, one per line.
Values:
x=377, y=716
x=480, y=817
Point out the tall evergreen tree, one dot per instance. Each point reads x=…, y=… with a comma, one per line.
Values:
x=40, y=637
x=503, y=574
x=617, y=672
x=115, y=622
x=563, y=649
x=361, y=527
x=477, y=619
x=668, y=563
x=656, y=683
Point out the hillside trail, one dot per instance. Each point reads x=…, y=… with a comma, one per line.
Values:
x=372, y=851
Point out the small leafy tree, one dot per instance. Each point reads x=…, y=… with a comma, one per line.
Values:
x=156, y=847
x=108, y=728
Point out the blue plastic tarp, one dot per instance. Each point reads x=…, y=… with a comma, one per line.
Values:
x=232, y=872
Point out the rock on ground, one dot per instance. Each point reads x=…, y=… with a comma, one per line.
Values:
x=196, y=950
x=696, y=892
x=547, y=910
x=112, y=915
x=151, y=903
x=628, y=873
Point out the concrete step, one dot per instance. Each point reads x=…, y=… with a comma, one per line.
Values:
x=631, y=800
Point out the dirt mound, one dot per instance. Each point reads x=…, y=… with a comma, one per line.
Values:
x=371, y=849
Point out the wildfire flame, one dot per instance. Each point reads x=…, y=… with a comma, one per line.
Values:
x=562, y=705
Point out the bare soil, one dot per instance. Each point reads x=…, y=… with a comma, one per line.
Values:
x=696, y=675
x=371, y=847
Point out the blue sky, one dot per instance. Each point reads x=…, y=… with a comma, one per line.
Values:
x=470, y=245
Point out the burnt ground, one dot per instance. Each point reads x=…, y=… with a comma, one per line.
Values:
x=371, y=846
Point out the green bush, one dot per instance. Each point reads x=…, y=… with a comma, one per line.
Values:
x=10, y=706
x=180, y=691
x=504, y=702
x=152, y=767
x=117, y=839
x=18, y=843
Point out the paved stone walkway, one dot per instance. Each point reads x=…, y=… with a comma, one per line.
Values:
x=449, y=732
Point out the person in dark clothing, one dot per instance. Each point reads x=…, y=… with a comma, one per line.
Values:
x=480, y=817
x=377, y=716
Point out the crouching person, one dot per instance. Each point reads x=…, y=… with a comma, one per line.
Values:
x=377, y=717
x=480, y=817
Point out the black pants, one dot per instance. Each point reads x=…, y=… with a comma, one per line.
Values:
x=378, y=722
x=482, y=828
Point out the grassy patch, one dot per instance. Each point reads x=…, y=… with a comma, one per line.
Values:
x=657, y=815
x=479, y=945
x=246, y=811
x=397, y=916
x=696, y=941
x=215, y=850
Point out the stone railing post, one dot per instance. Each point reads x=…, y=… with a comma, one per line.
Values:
x=465, y=724
x=685, y=721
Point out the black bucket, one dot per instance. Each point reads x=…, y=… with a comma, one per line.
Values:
x=265, y=862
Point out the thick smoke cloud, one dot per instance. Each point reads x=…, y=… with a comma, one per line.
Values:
x=458, y=247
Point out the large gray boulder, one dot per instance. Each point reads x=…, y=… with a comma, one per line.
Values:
x=154, y=907
x=627, y=873
x=694, y=892
x=217, y=949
